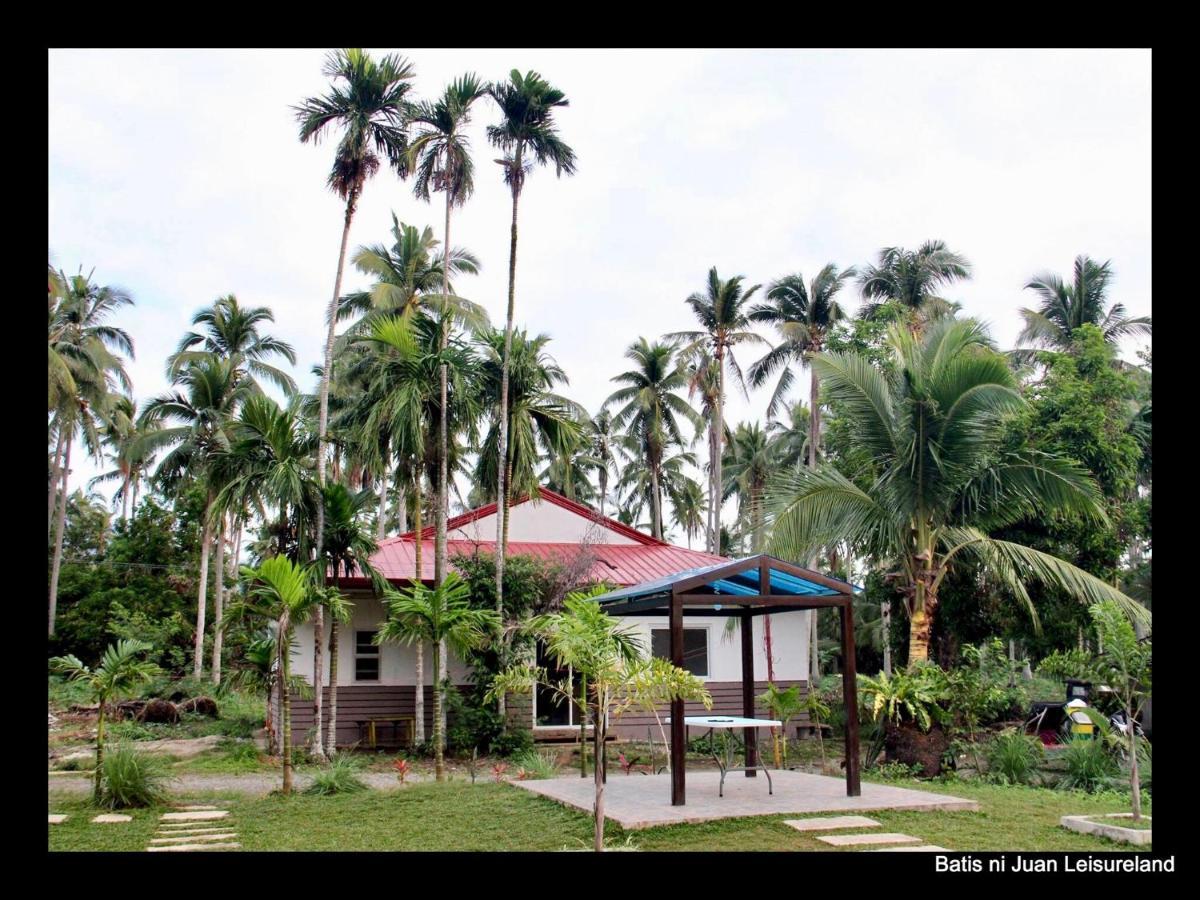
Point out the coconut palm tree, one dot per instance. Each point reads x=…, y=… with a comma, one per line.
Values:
x=935, y=426
x=702, y=379
x=231, y=332
x=526, y=135
x=789, y=435
x=722, y=309
x=911, y=278
x=441, y=160
x=569, y=473
x=207, y=396
x=599, y=435
x=803, y=315
x=119, y=671
x=284, y=591
x=635, y=487
x=123, y=439
x=440, y=616
x=1065, y=307
x=687, y=507
x=748, y=465
x=650, y=409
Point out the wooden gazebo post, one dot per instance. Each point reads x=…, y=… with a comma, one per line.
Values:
x=749, y=734
x=850, y=697
x=678, y=728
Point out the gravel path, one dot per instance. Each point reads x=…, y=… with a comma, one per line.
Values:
x=254, y=784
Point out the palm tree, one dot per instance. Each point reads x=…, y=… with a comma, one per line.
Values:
x=440, y=616
x=789, y=435
x=911, y=277
x=527, y=103
x=1065, y=307
x=372, y=110
x=650, y=409
x=119, y=670
x=687, y=508
x=635, y=487
x=207, y=396
x=748, y=465
x=124, y=439
x=702, y=379
x=441, y=159
x=722, y=310
x=86, y=370
x=282, y=590
x=540, y=422
x=232, y=332
x=935, y=426
x=803, y=315
x=569, y=473
x=348, y=546
x=599, y=435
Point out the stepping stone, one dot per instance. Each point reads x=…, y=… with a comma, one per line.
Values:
x=185, y=847
x=193, y=838
x=853, y=840
x=924, y=847
x=821, y=823
x=198, y=816
x=111, y=818
x=196, y=808
x=56, y=819
x=168, y=833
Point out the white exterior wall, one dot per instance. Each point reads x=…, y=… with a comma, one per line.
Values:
x=541, y=521
x=397, y=662
x=789, y=637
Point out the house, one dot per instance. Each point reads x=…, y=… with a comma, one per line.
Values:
x=379, y=681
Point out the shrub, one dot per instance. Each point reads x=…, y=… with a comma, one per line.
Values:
x=1090, y=767
x=895, y=770
x=1063, y=664
x=130, y=779
x=534, y=764
x=472, y=724
x=339, y=777
x=512, y=742
x=1014, y=757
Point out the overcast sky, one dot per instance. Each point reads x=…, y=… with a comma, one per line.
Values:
x=179, y=176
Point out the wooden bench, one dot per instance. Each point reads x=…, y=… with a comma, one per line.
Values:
x=370, y=727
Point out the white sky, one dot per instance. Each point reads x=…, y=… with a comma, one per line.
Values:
x=178, y=175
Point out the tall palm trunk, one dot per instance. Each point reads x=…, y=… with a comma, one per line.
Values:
x=443, y=496
x=202, y=593
x=1135, y=779
x=419, y=693
x=501, y=487
x=439, y=762
x=322, y=441
x=718, y=441
x=333, y=674
x=99, y=752
x=583, y=717
x=381, y=517
x=218, y=602
x=137, y=478
x=814, y=437
x=59, y=528
x=655, y=502
x=285, y=670
x=598, y=768
x=55, y=478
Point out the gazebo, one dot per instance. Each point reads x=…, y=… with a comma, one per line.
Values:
x=743, y=588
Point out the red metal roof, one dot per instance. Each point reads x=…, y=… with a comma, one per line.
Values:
x=618, y=564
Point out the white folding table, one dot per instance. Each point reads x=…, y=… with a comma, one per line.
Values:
x=728, y=723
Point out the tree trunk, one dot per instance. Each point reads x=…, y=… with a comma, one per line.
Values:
x=439, y=763
x=419, y=698
x=501, y=493
x=1135, y=781
x=333, y=683
x=55, y=478
x=655, y=509
x=317, y=746
x=920, y=627
x=583, y=717
x=886, y=616
x=441, y=676
x=99, y=753
x=136, y=481
x=401, y=505
x=443, y=496
x=59, y=528
x=598, y=767
x=718, y=449
x=202, y=593
x=218, y=602
x=273, y=717
x=286, y=701
x=125, y=488
x=381, y=518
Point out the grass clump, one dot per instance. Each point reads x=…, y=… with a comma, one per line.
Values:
x=1090, y=767
x=339, y=777
x=1014, y=757
x=132, y=780
x=534, y=765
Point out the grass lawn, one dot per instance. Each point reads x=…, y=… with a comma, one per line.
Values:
x=461, y=816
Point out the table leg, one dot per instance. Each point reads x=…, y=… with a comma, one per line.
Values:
x=371, y=730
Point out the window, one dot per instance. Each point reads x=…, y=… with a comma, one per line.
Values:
x=366, y=656
x=550, y=709
x=695, y=648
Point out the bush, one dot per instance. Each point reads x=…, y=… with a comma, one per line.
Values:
x=471, y=724
x=339, y=777
x=895, y=770
x=130, y=779
x=512, y=742
x=1090, y=767
x=534, y=764
x=1014, y=757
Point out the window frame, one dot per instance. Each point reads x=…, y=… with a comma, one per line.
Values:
x=377, y=655
x=706, y=629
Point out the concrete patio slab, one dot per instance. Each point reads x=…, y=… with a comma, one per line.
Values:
x=856, y=840
x=931, y=848
x=644, y=801
x=828, y=823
